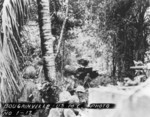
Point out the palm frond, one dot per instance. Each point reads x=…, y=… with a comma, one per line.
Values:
x=14, y=13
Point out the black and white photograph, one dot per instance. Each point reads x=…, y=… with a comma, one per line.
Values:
x=74, y=58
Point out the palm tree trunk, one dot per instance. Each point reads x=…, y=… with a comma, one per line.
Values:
x=47, y=40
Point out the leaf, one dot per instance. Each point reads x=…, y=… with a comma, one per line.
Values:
x=12, y=18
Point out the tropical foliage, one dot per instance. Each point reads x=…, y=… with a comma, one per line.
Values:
x=109, y=33
x=12, y=21
x=126, y=18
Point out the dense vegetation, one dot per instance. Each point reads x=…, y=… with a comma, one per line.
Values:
x=109, y=33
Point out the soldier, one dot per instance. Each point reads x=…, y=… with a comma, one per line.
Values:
x=64, y=97
x=80, y=92
x=79, y=95
x=87, y=81
x=129, y=82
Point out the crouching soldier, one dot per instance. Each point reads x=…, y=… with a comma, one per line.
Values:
x=80, y=98
x=80, y=92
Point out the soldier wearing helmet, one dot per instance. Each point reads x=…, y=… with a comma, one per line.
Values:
x=64, y=97
x=81, y=94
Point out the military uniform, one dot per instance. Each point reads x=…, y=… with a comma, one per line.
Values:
x=60, y=112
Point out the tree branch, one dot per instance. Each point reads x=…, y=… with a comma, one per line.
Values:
x=62, y=30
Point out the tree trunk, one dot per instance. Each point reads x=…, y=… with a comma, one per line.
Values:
x=47, y=40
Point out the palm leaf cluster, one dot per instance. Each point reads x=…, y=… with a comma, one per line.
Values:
x=13, y=14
